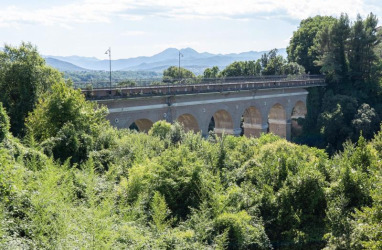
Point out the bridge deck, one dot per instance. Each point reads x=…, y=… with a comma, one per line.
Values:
x=215, y=85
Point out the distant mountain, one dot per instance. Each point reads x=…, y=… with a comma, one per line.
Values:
x=62, y=65
x=76, y=60
x=196, y=62
x=191, y=59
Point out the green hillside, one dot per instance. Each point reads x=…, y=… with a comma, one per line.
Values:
x=69, y=180
x=109, y=188
x=63, y=66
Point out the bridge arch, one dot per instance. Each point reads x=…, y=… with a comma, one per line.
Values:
x=143, y=125
x=277, y=123
x=189, y=122
x=299, y=111
x=222, y=122
x=252, y=122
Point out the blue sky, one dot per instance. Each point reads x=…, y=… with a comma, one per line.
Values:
x=145, y=27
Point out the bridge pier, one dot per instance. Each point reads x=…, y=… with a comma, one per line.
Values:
x=288, y=127
x=254, y=130
x=236, y=132
x=281, y=128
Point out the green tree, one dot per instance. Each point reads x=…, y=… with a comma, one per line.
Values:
x=242, y=68
x=293, y=69
x=275, y=65
x=253, y=68
x=127, y=83
x=269, y=64
x=63, y=105
x=174, y=73
x=160, y=211
x=365, y=120
x=241, y=233
x=368, y=227
x=301, y=47
x=356, y=57
x=24, y=77
x=180, y=173
x=211, y=72
x=362, y=56
x=66, y=123
x=372, y=40
x=378, y=48
x=335, y=120
x=301, y=208
x=234, y=69
x=160, y=129
x=4, y=123
x=331, y=44
x=346, y=54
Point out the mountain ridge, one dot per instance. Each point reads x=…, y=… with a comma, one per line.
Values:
x=158, y=62
x=62, y=65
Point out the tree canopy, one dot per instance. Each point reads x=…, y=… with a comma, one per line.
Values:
x=24, y=77
x=302, y=48
x=269, y=64
x=74, y=181
x=345, y=53
x=152, y=191
x=4, y=123
x=211, y=72
x=66, y=125
x=173, y=72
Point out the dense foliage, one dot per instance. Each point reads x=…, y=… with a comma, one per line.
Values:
x=24, y=76
x=75, y=182
x=65, y=124
x=346, y=52
x=269, y=64
x=172, y=189
x=100, y=78
x=301, y=48
x=174, y=72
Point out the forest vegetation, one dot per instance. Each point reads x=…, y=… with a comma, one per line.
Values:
x=70, y=180
x=99, y=79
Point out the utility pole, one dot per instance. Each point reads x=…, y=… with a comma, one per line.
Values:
x=180, y=54
x=109, y=52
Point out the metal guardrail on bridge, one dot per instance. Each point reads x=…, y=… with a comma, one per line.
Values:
x=203, y=85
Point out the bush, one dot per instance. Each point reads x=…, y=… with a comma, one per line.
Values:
x=4, y=123
x=160, y=129
x=241, y=233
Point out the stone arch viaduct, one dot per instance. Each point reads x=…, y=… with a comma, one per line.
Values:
x=248, y=106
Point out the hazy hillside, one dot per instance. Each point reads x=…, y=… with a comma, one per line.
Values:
x=191, y=59
x=62, y=65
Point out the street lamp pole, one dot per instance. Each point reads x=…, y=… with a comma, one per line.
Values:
x=180, y=54
x=109, y=52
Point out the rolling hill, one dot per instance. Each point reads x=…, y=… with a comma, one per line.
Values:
x=191, y=59
x=62, y=65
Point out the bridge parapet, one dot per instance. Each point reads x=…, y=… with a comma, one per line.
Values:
x=198, y=85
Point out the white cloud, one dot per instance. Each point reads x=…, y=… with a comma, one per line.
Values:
x=86, y=11
x=134, y=33
x=295, y=9
x=102, y=11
